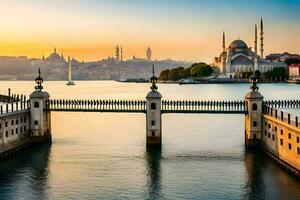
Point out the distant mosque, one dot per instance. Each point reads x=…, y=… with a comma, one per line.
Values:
x=238, y=57
x=55, y=57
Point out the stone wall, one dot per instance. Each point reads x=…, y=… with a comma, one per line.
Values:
x=282, y=140
x=14, y=130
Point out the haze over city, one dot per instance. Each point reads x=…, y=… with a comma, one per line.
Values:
x=89, y=30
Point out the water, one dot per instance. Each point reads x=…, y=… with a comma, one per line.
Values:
x=103, y=156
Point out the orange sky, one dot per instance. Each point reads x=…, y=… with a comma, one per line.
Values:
x=89, y=30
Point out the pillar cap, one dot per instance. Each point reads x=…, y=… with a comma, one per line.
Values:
x=39, y=94
x=254, y=95
x=153, y=94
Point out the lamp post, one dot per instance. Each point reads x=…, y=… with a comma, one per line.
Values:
x=39, y=80
x=254, y=81
x=153, y=80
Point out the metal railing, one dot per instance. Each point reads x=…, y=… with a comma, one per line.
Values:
x=238, y=107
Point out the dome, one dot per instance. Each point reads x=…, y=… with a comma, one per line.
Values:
x=54, y=56
x=238, y=44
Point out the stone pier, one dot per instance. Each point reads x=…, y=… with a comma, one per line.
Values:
x=153, y=115
x=253, y=116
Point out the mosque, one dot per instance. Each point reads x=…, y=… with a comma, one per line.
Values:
x=238, y=57
x=55, y=57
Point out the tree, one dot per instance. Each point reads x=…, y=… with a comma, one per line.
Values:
x=164, y=75
x=174, y=74
x=278, y=74
x=257, y=73
x=200, y=70
x=196, y=70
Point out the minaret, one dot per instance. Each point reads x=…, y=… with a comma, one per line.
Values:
x=261, y=38
x=121, y=53
x=54, y=49
x=255, y=40
x=256, y=67
x=224, y=55
x=223, y=46
x=117, y=53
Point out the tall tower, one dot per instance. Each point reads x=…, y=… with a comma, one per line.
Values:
x=148, y=54
x=223, y=44
x=70, y=82
x=54, y=50
x=153, y=114
x=261, y=38
x=224, y=54
x=121, y=54
x=255, y=40
x=117, y=53
x=256, y=67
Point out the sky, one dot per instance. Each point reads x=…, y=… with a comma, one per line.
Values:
x=182, y=30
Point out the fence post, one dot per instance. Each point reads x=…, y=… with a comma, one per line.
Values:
x=281, y=115
x=276, y=114
x=289, y=118
x=296, y=121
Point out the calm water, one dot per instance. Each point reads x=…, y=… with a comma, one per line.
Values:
x=103, y=156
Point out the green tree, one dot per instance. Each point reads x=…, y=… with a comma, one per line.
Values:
x=200, y=70
x=174, y=74
x=257, y=73
x=164, y=75
x=276, y=74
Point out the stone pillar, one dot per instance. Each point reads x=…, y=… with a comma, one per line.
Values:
x=153, y=114
x=253, y=117
x=153, y=119
x=40, y=118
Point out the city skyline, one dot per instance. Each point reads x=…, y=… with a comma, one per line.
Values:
x=182, y=31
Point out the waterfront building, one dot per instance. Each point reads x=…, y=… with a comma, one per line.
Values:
x=281, y=57
x=294, y=71
x=238, y=57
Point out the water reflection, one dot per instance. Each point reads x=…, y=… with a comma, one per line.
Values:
x=25, y=175
x=255, y=185
x=153, y=159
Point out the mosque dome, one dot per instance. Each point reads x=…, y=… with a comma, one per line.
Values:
x=54, y=56
x=238, y=44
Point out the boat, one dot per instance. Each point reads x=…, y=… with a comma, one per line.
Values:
x=295, y=81
x=188, y=81
x=70, y=82
x=134, y=80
